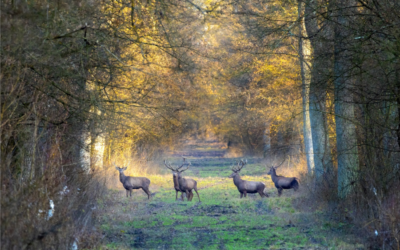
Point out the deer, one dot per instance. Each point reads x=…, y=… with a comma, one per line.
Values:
x=282, y=182
x=186, y=185
x=175, y=178
x=130, y=182
x=246, y=187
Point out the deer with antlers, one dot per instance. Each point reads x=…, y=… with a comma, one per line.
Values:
x=184, y=185
x=130, y=182
x=282, y=182
x=246, y=187
x=175, y=178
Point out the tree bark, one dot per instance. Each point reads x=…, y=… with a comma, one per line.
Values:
x=344, y=105
x=84, y=155
x=305, y=66
x=267, y=140
x=98, y=146
x=318, y=92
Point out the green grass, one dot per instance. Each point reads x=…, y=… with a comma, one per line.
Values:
x=221, y=221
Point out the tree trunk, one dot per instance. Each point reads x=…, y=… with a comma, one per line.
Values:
x=98, y=146
x=84, y=155
x=267, y=141
x=344, y=105
x=305, y=56
x=318, y=92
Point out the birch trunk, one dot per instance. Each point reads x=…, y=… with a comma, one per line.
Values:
x=305, y=66
x=98, y=145
x=98, y=151
x=318, y=92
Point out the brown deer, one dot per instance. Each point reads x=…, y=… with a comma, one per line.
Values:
x=282, y=182
x=130, y=182
x=185, y=184
x=175, y=178
x=246, y=187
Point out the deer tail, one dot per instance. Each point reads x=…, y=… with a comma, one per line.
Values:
x=265, y=191
x=296, y=183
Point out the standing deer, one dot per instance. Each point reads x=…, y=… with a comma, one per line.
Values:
x=245, y=187
x=282, y=182
x=130, y=182
x=175, y=178
x=185, y=184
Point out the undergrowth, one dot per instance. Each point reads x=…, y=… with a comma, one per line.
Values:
x=221, y=221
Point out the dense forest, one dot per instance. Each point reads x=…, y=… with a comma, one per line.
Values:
x=86, y=85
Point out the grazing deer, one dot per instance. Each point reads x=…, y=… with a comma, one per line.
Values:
x=246, y=187
x=130, y=182
x=282, y=182
x=186, y=185
x=175, y=178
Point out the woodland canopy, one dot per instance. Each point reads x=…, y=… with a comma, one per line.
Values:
x=85, y=83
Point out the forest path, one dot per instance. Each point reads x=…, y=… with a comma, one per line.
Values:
x=221, y=221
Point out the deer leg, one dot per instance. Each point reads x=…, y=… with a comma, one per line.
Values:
x=176, y=198
x=130, y=192
x=182, y=196
x=241, y=195
x=191, y=195
x=245, y=194
x=279, y=192
x=187, y=195
x=195, y=189
x=147, y=191
x=127, y=193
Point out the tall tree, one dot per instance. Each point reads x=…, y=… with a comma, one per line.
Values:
x=344, y=103
x=305, y=67
x=318, y=90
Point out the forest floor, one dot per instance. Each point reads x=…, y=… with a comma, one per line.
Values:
x=221, y=220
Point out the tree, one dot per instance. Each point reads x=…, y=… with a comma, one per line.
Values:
x=318, y=89
x=305, y=67
x=344, y=102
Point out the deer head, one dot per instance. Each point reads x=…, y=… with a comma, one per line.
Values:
x=272, y=169
x=236, y=171
x=176, y=171
x=121, y=170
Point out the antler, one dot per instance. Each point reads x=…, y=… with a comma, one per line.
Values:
x=233, y=168
x=240, y=165
x=281, y=163
x=184, y=162
x=276, y=166
x=180, y=171
x=169, y=166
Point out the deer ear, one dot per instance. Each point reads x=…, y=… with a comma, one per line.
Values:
x=117, y=168
x=125, y=168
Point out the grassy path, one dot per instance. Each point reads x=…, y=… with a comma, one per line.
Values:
x=221, y=221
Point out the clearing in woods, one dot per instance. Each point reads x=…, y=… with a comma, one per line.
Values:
x=222, y=220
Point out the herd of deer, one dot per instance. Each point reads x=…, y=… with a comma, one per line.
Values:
x=186, y=185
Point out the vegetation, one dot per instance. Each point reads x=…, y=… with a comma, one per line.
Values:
x=87, y=85
x=221, y=221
